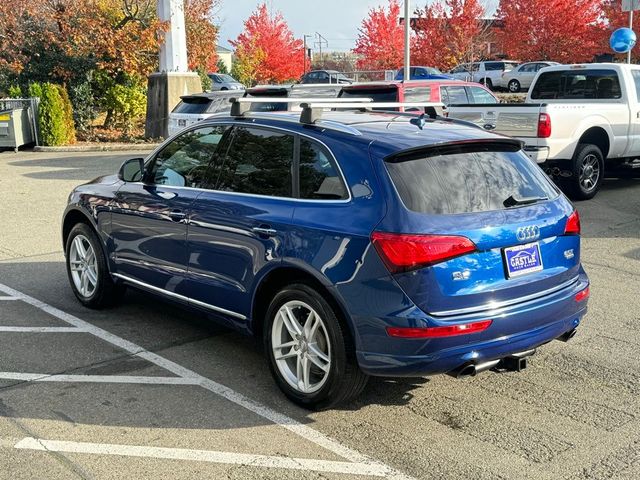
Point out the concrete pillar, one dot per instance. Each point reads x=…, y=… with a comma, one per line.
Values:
x=174, y=79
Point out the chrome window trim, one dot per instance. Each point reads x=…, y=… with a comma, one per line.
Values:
x=207, y=122
x=179, y=297
x=494, y=307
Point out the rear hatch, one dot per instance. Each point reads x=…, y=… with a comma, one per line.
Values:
x=515, y=120
x=191, y=109
x=476, y=226
x=268, y=91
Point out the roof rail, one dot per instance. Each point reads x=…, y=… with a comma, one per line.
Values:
x=312, y=111
x=240, y=106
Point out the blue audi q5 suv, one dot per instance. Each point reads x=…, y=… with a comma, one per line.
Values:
x=358, y=244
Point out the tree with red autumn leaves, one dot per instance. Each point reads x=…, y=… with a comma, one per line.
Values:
x=449, y=32
x=202, y=34
x=551, y=29
x=266, y=51
x=380, y=42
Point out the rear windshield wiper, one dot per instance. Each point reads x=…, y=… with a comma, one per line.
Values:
x=513, y=201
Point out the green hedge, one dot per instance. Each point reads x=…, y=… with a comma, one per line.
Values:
x=55, y=117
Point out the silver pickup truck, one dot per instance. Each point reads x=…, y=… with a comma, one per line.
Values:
x=574, y=118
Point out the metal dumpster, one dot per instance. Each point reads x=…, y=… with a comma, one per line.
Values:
x=15, y=128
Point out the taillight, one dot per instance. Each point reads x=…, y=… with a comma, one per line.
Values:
x=573, y=224
x=433, y=332
x=582, y=295
x=401, y=252
x=544, y=126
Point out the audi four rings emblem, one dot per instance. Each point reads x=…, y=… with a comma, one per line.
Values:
x=531, y=232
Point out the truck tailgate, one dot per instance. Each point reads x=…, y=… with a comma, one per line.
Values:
x=514, y=120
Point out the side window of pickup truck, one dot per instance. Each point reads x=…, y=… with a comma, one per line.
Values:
x=577, y=85
x=636, y=81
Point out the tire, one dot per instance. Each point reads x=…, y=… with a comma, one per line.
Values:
x=223, y=89
x=587, y=169
x=487, y=83
x=514, y=86
x=100, y=290
x=333, y=375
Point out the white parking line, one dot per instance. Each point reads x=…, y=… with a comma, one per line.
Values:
x=45, y=377
x=210, y=456
x=43, y=329
x=9, y=298
x=264, y=411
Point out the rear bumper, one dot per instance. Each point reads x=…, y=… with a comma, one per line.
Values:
x=541, y=321
x=537, y=154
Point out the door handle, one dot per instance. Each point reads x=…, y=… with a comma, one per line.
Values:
x=177, y=215
x=265, y=231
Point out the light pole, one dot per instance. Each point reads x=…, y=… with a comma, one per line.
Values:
x=407, y=46
x=304, y=58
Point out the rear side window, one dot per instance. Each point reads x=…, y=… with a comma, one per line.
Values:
x=494, y=66
x=467, y=179
x=454, y=95
x=577, y=84
x=258, y=162
x=319, y=177
x=192, y=105
x=417, y=94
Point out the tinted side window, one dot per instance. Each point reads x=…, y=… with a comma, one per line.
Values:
x=480, y=95
x=494, y=66
x=259, y=162
x=456, y=95
x=184, y=162
x=319, y=177
x=192, y=105
x=577, y=84
x=417, y=94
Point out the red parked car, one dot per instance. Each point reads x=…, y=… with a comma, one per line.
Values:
x=446, y=91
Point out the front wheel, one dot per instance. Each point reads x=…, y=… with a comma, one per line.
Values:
x=587, y=172
x=487, y=83
x=514, y=86
x=87, y=269
x=311, y=355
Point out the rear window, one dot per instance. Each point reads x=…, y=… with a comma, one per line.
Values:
x=467, y=179
x=192, y=105
x=577, y=84
x=376, y=94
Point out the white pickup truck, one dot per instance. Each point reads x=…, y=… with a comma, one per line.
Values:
x=574, y=118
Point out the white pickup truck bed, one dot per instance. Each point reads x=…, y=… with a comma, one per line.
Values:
x=569, y=108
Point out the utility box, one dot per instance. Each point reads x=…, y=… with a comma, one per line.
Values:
x=15, y=128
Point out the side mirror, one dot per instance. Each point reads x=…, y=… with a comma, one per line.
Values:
x=132, y=170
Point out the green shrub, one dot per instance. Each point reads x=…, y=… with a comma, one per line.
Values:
x=128, y=103
x=222, y=67
x=15, y=91
x=84, y=107
x=206, y=82
x=55, y=117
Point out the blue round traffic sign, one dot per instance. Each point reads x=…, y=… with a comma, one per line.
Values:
x=622, y=40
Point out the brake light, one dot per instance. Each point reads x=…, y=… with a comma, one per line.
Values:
x=436, y=332
x=544, y=126
x=573, y=224
x=401, y=252
x=583, y=295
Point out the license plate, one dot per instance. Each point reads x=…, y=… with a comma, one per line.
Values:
x=522, y=259
x=182, y=122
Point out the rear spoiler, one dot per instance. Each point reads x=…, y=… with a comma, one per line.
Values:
x=458, y=146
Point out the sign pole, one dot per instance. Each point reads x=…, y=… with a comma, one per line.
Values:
x=630, y=27
x=407, y=45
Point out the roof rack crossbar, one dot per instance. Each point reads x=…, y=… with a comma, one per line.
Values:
x=312, y=111
x=240, y=106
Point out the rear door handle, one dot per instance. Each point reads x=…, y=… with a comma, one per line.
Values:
x=177, y=215
x=265, y=231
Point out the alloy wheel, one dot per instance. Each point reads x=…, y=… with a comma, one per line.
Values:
x=84, y=266
x=301, y=346
x=589, y=172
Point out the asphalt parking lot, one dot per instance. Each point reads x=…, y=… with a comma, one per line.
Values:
x=148, y=390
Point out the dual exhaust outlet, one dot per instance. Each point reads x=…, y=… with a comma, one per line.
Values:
x=515, y=362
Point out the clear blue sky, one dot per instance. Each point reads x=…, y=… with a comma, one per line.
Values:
x=337, y=20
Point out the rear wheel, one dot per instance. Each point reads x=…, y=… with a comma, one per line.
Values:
x=514, y=86
x=487, y=83
x=587, y=172
x=87, y=269
x=310, y=352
